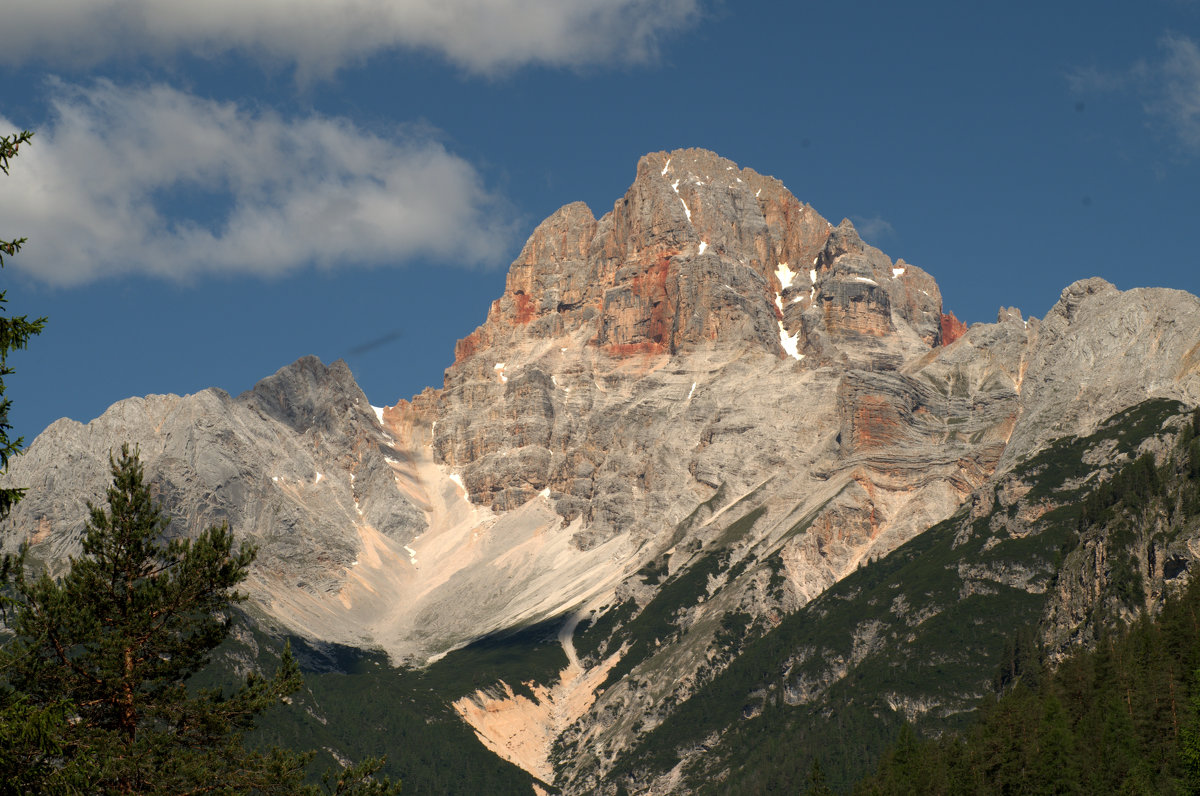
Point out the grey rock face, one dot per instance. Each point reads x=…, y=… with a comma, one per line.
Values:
x=288, y=465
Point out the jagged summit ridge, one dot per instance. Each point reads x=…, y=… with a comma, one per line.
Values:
x=701, y=251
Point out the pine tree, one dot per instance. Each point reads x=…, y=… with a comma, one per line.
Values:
x=15, y=333
x=22, y=725
x=118, y=638
x=113, y=645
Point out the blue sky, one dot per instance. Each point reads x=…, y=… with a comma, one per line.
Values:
x=216, y=189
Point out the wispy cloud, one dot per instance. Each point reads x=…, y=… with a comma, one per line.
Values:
x=95, y=193
x=1178, y=101
x=872, y=228
x=319, y=36
x=1167, y=85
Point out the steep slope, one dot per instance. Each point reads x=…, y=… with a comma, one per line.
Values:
x=919, y=635
x=679, y=424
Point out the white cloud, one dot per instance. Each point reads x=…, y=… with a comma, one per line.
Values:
x=1179, y=98
x=98, y=191
x=1168, y=86
x=321, y=35
x=872, y=228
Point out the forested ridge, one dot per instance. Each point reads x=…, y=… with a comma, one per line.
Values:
x=1120, y=717
x=1091, y=527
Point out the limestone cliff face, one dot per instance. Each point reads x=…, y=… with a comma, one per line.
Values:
x=703, y=277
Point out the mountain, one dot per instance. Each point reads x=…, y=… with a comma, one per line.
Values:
x=659, y=479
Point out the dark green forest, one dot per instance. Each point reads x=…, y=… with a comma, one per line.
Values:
x=1123, y=717
x=968, y=635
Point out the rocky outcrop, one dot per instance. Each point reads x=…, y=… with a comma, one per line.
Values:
x=952, y=328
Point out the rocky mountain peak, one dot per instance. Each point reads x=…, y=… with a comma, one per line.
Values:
x=701, y=271
x=308, y=395
x=699, y=252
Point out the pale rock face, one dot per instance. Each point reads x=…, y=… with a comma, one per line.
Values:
x=627, y=399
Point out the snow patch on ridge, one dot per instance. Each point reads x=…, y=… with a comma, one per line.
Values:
x=866, y=280
x=897, y=272
x=703, y=244
x=664, y=171
x=689, y=395
x=785, y=275
x=790, y=344
x=378, y=413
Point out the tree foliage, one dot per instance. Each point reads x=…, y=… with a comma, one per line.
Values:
x=15, y=333
x=100, y=661
x=1122, y=717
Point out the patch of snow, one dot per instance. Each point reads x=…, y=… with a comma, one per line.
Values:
x=563, y=350
x=816, y=258
x=897, y=272
x=703, y=245
x=812, y=293
x=790, y=344
x=456, y=478
x=675, y=186
x=779, y=301
x=378, y=413
x=664, y=171
x=756, y=193
x=503, y=379
x=739, y=179
x=554, y=380
x=689, y=397
x=545, y=492
x=785, y=275
x=352, y=478
x=412, y=555
x=926, y=292
x=498, y=366
x=318, y=478
x=275, y=478
x=866, y=280
x=812, y=274
x=390, y=460
x=685, y=209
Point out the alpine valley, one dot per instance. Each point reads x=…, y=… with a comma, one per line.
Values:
x=716, y=489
